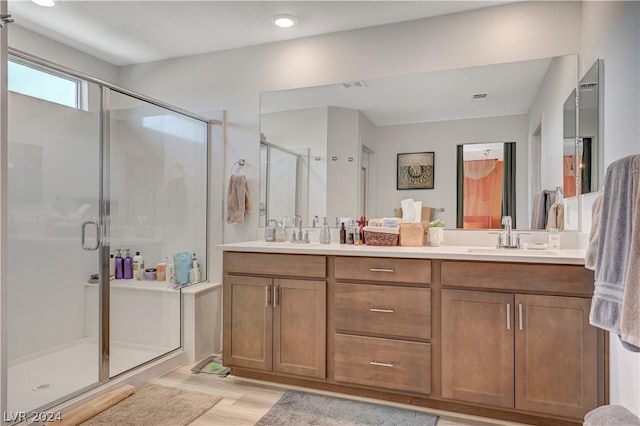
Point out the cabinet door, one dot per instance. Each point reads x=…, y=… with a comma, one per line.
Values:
x=299, y=327
x=556, y=361
x=477, y=347
x=248, y=316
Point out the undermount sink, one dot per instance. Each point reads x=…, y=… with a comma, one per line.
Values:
x=516, y=252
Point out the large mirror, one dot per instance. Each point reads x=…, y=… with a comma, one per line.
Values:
x=348, y=135
x=589, y=144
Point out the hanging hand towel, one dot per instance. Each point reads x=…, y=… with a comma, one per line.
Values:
x=237, y=199
x=614, y=247
x=594, y=234
x=630, y=317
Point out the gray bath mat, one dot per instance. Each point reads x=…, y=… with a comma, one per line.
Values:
x=302, y=408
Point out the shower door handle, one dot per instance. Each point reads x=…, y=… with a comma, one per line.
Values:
x=84, y=232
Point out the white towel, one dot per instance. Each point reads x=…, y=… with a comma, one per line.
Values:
x=594, y=233
x=237, y=199
x=614, y=249
x=555, y=217
x=408, y=210
x=630, y=317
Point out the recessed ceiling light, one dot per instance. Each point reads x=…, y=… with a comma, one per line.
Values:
x=285, y=21
x=45, y=3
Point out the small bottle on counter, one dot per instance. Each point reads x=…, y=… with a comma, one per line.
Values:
x=161, y=272
x=325, y=233
x=343, y=234
x=554, y=239
x=170, y=270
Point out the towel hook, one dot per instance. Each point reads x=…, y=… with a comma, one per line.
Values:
x=240, y=163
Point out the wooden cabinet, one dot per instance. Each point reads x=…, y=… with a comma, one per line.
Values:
x=529, y=352
x=275, y=324
x=506, y=340
x=477, y=347
x=383, y=363
x=382, y=323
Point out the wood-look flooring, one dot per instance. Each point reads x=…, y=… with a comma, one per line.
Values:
x=245, y=401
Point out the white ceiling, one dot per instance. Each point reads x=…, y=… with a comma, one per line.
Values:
x=131, y=32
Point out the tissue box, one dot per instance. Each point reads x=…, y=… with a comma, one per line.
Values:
x=380, y=236
x=411, y=234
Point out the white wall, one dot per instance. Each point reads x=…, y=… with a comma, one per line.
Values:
x=46, y=48
x=611, y=31
x=442, y=137
x=343, y=134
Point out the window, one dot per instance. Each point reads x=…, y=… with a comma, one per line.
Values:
x=44, y=85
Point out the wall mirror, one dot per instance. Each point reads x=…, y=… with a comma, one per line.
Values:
x=569, y=163
x=589, y=144
x=347, y=135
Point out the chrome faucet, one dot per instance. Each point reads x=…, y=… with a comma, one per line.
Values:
x=508, y=240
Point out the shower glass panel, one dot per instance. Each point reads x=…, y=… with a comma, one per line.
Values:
x=53, y=188
x=158, y=196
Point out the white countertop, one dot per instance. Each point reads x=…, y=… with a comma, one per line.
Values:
x=487, y=254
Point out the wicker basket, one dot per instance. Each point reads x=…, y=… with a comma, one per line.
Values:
x=373, y=238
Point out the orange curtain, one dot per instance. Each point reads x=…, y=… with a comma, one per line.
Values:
x=569, y=176
x=483, y=195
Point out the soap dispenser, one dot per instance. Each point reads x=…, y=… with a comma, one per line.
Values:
x=325, y=233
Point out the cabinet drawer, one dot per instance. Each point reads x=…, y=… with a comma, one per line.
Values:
x=566, y=279
x=383, y=363
x=286, y=265
x=383, y=269
x=381, y=309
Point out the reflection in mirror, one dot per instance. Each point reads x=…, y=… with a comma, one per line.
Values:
x=486, y=185
x=588, y=143
x=278, y=183
x=352, y=132
x=569, y=163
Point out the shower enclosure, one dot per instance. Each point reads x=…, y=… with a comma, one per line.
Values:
x=93, y=168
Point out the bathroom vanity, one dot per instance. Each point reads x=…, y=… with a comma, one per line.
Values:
x=492, y=333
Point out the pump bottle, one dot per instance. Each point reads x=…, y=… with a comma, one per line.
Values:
x=128, y=265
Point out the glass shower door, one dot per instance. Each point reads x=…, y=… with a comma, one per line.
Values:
x=158, y=196
x=53, y=200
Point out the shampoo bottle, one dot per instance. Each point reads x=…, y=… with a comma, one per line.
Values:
x=138, y=266
x=128, y=265
x=119, y=267
x=343, y=234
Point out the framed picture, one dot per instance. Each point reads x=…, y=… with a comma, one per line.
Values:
x=415, y=170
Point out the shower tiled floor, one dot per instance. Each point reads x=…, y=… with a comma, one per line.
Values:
x=36, y=381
